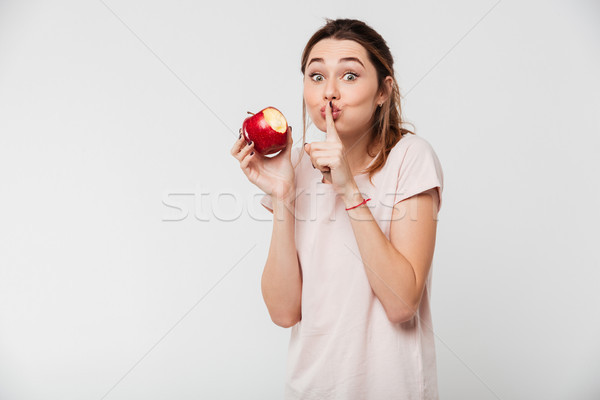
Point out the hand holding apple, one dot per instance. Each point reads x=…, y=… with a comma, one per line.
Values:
x=273, y=175
x=267, y=129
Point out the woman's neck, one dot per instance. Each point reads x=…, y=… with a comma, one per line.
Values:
x=356, y=152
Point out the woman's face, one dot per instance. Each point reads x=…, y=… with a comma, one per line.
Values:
x=340, y=70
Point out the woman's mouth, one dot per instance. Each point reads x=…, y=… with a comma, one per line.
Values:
x=336, y=113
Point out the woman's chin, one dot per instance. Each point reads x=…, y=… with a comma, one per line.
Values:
x=322, y=126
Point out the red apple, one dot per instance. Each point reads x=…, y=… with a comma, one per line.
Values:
x=267, y=129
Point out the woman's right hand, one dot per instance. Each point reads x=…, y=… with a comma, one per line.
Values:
x=273, y=175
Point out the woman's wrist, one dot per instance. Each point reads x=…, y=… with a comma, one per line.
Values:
x=284, y=202
x=352, y=197
x=285, y=193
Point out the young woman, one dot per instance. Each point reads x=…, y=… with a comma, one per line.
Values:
x=354, y=227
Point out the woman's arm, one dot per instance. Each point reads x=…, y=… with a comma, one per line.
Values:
x=282, y=278
x=281, y=281
x=397, y=268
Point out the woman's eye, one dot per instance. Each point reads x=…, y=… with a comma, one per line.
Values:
x=349, y=76
x=316, y=77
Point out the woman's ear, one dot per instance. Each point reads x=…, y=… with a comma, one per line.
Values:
x=386, y=89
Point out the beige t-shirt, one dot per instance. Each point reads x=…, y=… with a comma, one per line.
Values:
x=345, y=347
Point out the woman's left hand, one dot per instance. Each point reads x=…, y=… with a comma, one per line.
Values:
x=329, y=158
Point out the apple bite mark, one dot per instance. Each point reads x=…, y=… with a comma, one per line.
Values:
x=276, y=119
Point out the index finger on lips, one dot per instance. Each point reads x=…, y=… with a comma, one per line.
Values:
x=331, y=132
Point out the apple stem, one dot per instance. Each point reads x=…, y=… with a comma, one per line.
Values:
x=251, y=113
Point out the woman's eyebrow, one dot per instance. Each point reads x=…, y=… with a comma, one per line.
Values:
x=351, y=59
x=340, y=61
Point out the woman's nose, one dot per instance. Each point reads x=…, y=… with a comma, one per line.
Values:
x=331, y=90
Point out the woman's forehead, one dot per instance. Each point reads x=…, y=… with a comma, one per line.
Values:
x=331, y=50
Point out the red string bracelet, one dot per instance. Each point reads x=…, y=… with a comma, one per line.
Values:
x=360, y=204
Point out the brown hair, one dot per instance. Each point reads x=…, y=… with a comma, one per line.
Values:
x=387, y=127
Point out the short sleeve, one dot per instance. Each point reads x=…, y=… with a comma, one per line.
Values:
x=266, y=199
x=420, y=170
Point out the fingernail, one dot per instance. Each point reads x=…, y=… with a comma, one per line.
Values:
x=330, y=105
x=305, y=144
x=249, y=143
x=313, y=166
x=252, y=153
x=239, y=137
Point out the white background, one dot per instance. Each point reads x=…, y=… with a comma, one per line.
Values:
x=113, y=112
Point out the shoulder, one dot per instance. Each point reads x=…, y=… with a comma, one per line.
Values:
x=409, y=149
x=416, y=159
x=418, y=168
x=412, y=144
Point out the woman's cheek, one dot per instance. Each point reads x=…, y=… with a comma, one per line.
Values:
x=314, y=112
x=319, y=122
